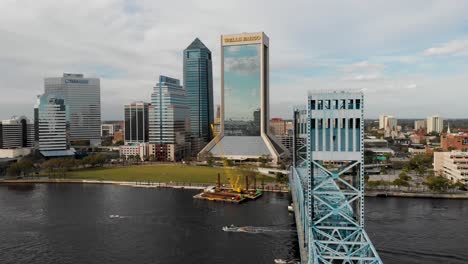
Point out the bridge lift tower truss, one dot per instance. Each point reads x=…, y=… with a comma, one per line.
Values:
x=328, y=180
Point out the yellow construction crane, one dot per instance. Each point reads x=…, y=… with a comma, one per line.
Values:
x=235, y=185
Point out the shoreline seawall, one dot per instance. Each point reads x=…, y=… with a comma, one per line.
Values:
x=417, y=195
x=201, y=186
x=138, y=184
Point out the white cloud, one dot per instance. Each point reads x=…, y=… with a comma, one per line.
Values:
x=455, y=47
x=133, y=42
x=363, y=71
x=400, y=96
x=364, y=77
x=363, y=66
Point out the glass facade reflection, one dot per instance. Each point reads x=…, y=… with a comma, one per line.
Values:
x=242, y=82
x=198, y=83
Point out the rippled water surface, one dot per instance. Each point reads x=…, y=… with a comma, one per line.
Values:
x=410, y=230
x=114, y=224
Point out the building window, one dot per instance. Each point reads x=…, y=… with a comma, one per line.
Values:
x=342, y=104
x=350, y=104
x=327, y=104
x=358, y=103
x=465, y=141
x=312, y=105
x=335, y=104
x=320, y=105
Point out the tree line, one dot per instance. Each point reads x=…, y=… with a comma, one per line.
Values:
x=57, y=167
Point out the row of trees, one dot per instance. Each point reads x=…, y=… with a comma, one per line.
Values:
x=434, y=183
x=55, y=167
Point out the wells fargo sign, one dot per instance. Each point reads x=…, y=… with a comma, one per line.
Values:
x=242, y=39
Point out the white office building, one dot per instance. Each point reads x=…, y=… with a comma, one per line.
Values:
x=83, y=99
x=452, y=165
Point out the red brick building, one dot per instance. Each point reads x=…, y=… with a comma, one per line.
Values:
x=450, y=142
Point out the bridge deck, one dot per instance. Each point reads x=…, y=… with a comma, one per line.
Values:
x=299, y=224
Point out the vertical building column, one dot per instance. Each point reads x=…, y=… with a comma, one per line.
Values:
x=354, y=134
x=346, y=126
x=338, y=129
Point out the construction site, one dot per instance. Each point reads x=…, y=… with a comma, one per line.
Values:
x=235, y=192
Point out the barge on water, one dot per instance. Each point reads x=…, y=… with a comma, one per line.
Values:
x=213, y=193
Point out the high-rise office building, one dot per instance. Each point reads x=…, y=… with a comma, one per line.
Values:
x=136, y=122
x=83, y=99
x=169, y=121
x=382, y=122
x=389, y=124
x=53, y=119
x=17, y=132
x=245, y=107
x=198, y=84
x=434, y=124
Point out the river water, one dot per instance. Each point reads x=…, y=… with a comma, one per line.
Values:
x=71, y=223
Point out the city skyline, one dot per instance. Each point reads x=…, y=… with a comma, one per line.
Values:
x=403, y=58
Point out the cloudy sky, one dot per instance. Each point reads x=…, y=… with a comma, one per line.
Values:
x=410, y=57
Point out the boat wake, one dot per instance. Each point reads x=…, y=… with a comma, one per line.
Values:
x=117, y=216
x=254, y=229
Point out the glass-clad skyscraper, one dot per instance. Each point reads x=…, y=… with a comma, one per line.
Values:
x=136, y=122
x=198, y=83
x=53, y=118
x=83, y=99
x=244, y=133
x=169, y=122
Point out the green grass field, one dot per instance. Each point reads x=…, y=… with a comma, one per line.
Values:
x=160, y=173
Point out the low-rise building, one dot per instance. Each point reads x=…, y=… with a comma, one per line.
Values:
x=107, y=130
x=278, y=126
x=452, y=165
x=416, y=151
x=14, y=153
x=451, y=142
x=147, y=151
x=375, y=143
x=134, y=150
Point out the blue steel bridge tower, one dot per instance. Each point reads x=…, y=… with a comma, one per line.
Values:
x=327, y=179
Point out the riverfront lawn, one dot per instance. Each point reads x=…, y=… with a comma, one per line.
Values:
x=161, y=173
